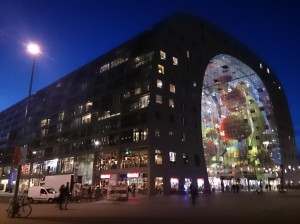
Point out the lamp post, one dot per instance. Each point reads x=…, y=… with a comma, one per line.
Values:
x=34, y=50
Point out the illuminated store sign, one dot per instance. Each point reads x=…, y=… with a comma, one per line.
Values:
x=132, y=175
x=105, y=176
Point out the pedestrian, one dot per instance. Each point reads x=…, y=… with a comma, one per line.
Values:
x=66, y=195
x=133, y=189
x=194, y=193
x=61, y=196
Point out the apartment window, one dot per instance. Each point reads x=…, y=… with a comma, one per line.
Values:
x=104, y=68
x=183, y=138
x=175, y=61
x=161, y=69
x=185, y=158
x=162, y=55
x=172, y=118
x=171, y=103
x=159, y=99
x=188, y=54
x=157, y=133
x=197, y=160
x=172, y=88
x=158, y=157
x=171, y=134
x=172, y=156
x=61, y=116
x=45, y=122
x=86, y=119
x=159, y=83
x=183, y=122
x=137, y=90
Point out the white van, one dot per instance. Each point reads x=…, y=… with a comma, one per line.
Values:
x=44, y=193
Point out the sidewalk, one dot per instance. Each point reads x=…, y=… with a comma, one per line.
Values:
x=243, y=207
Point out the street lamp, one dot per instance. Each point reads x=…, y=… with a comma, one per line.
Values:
x=34, y=50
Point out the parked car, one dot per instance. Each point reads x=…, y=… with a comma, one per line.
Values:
x=42, y=194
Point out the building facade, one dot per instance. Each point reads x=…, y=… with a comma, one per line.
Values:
x=180, y=103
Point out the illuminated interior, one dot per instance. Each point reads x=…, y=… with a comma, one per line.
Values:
x=240, y=136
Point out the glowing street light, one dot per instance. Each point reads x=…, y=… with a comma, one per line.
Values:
x=34, y=50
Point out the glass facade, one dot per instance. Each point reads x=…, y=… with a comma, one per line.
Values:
x=240, y=138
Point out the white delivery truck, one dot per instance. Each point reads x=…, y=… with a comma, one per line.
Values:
x=42, y=194
x=56, y=181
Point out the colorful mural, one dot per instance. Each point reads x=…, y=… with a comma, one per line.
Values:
x=239, y=132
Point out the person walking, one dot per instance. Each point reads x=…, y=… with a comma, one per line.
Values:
x=66, y=196
x=61, y=196
x=194, y=194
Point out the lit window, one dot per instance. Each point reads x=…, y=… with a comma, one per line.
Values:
x=157, y=133
x=268, y=70
x=194, y=84
x=172, y=156
x=187, y=54
x=137, y=91
x=171, y=134
x=86, y=119
x=175, y=61
x=260, y=65
x=185, y=158
x=61, y=116
x=161, y=69
x=162, y=55
x=171, y=103
x=104, y=68
x=183, y=139
x=159, y=99
x=159, y=83
x=158, y=157
x=45, y=122
x=172, y=88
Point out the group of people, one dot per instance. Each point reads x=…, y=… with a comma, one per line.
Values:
x=64, y=196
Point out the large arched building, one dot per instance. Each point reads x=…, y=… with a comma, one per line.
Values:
x=180, y=103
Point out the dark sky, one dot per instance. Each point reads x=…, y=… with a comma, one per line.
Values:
x=74, y=32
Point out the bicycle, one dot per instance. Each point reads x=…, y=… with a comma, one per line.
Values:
x=22, y=208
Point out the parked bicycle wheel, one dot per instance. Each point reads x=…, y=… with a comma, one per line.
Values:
x=24, y=211
x=9, y=211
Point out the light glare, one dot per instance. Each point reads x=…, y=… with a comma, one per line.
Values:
x=33, y=49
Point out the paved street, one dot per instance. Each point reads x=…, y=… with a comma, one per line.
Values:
x=243, y=207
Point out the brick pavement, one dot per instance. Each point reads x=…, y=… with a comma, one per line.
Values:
x=244, y=207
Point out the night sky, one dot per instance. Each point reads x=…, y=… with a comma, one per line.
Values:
x=71, y=33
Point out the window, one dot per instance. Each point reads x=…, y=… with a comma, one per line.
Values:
x=183, y=139
x=45, y=122
x=158, y=157
x=171, y=103
x=162, y=55
x=172, y=88
x=197, y=160
x=161, y=69
x=61, y=116
x=104, y=68
x=171, y=134
x=172, y=156
x=157, y=133
x=187, y=54
x=175, y=61
x=137, y=90
x=185, y=158
x=159, y=83
x=86, y=119
x=159, y=99
x=183, y=122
